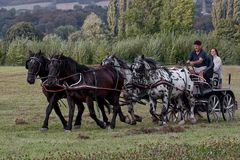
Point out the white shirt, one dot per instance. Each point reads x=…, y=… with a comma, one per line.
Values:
x=218, y=66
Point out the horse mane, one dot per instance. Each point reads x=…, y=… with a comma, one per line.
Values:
x=122, y=63
x=152, y=63
x=70, y=65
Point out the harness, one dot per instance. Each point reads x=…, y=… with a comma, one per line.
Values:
x=39, y=66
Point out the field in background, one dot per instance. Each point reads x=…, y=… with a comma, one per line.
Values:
x=19, y=100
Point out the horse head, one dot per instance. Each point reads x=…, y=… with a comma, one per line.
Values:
x=56, y=69
x=61, y=67
x=36, y=65
x=110, y=60
x=140, y=67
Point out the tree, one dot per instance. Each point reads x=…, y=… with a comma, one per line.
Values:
x=177, y=15
x=236, y=10
x=23, y=30
x=225, y=17
x=65, y=31
x=142, y=17
x=113, y=16
x=93, y=27
x=151, y=16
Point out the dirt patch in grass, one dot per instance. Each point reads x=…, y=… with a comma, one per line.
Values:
x=20, y=121
x=82, y=136
x=165, y=129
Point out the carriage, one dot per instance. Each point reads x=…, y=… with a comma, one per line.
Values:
x=216, y=102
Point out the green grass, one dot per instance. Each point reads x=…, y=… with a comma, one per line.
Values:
x=220, y=140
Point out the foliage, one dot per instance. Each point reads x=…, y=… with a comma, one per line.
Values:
x=225, y=16
x=112, y=16
x=48, y=20
x=16, y=54
x=165, y=47
x=139, y=17
x=24, y=30
x=3, y=51
x=65, y=31
x=93, y=27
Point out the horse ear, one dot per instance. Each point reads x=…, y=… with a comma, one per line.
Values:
x=39, y=51
x=142, y=56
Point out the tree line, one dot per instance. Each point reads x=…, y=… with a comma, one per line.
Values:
x=47, y=20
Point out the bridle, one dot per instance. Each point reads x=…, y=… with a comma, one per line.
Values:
x=52, y=76
x=39, y=66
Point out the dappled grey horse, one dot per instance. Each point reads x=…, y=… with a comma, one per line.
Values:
x=165, y=84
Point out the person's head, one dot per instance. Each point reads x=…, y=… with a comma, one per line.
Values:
x=214, y=52
x=197, y=45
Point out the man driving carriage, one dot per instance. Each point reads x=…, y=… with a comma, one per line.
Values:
x=202, y=63
x=198, y=59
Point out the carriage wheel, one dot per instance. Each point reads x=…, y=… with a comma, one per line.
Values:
x=174, y=114
x=213, y=108
x=228, y=107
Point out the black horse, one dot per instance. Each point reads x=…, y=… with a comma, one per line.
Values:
x=88, y=85
x=37, y=65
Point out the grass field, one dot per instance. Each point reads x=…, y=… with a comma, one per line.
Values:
x=19, y=100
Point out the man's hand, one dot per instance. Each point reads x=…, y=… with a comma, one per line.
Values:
x=191, y=63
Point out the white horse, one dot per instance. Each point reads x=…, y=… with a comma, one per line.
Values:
x=165, y=84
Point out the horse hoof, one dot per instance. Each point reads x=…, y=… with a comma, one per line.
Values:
x=182, y=122
x=193, y=120
x=77, y=126
x=109, y=128
x=138, y=118
x=133, y=123
x=127, y=120
x=163, y=124
x=44, y=129
x=67, y=131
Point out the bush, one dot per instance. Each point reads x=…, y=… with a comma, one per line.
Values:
x=165, y=47
x=17, y=52
x=129, y=48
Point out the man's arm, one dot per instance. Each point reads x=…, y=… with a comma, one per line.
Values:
x=197, y=62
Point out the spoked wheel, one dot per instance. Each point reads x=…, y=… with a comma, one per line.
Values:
x=186, y=114
x=214, y=108
x=174, y=116
x=228, y=107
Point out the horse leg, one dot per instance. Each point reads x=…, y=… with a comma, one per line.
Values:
x=101, y=102
x=192, y=105
x=71, y=106
x=131, y=112
x=78, y=120
x=89, y=102
x=152, y=110
x=59, y=113
x=51, y=103
x=180, y=108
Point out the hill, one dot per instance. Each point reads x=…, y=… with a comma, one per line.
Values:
x=18, y=2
